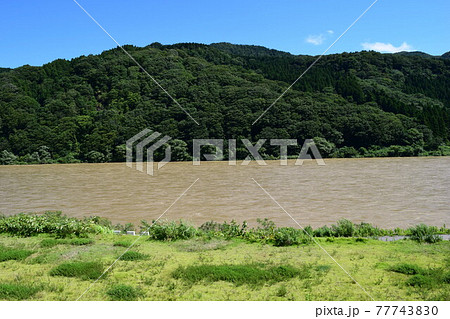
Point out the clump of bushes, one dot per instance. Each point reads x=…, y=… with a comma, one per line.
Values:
x=241, y=274
x=169, y=231
x=266, y=232
x=83, y=270
x=26, y=225
x=424, y=234
x=407, y=269
x=287, y=236
x=419, y=281
x=123, y=293
x=422, y=278
x=227, y=230
x=60, y=227
x=346, y=228
x=12, y=291
x=133, y=255
x=13, y=254
x=323, y=231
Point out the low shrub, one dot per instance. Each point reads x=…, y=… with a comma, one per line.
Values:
x=227, y=230
x=122, y=243
x=368, y=230
x=13, y=254
x=169, y=231
x=423, y=278
x=424, y=234
x=133, y=255
x=446, y=277
x=344, y=228
x=83, y=270
x=81, y=241
x=323, y=231
x=50, y=242
x=26, y=225
x=407, y=269
x=266, y=232
x=282, y=291
x=16, y=291
x=287, y=236
x=419, y=281
x=240, y=274
x=123, y=293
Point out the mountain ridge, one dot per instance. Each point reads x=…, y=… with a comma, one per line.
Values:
x=251, y=50
x=353, y=104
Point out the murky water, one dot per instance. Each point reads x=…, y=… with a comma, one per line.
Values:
x=388, y=192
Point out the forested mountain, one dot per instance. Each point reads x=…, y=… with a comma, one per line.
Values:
x=353, y=104
x=248, y=50
x=416, y=53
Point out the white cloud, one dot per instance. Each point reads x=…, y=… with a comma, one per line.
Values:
x=315, y=39
x=386, y=47
x=318, y=39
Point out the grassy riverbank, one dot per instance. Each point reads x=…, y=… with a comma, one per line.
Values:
x=218, y=267
x=198, y=269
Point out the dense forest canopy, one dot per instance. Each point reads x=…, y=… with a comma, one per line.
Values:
x=352, y=104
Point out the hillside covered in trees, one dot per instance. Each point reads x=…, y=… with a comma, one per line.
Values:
x=352, y=104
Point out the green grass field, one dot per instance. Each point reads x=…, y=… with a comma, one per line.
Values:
x=43, y=268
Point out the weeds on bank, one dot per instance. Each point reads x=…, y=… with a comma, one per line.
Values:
x=266, y=232
x=13, y=254
x=424, y=234
x=26, y=225
x=169, y=231
x=133, y=255
x=123, y=293
x=241, y=274
x=52, y=242
x=13, y=291
x=83, y=270
x=122, y=243
x=407, y=269
x=423, y=278
x=202, y=244
x=55, y=224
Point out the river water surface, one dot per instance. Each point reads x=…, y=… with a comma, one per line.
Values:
x=388, y=192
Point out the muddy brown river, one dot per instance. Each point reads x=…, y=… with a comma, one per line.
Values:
x=388, y=192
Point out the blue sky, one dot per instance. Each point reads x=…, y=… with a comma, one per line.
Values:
x=36, y=32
